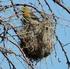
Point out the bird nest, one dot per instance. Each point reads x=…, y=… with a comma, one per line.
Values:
x=37, y=38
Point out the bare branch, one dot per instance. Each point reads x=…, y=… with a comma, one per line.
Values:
x=59, y=3
x=68, y=62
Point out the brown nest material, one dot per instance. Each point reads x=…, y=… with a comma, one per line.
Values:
x=37, y=38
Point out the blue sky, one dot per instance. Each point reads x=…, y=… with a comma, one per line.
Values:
x=62, y=31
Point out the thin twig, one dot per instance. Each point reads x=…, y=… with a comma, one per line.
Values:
x=48, y=6
x=62, y=6
x=68, y=63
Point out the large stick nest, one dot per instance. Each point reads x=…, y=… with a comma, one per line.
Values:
x=37, y=38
